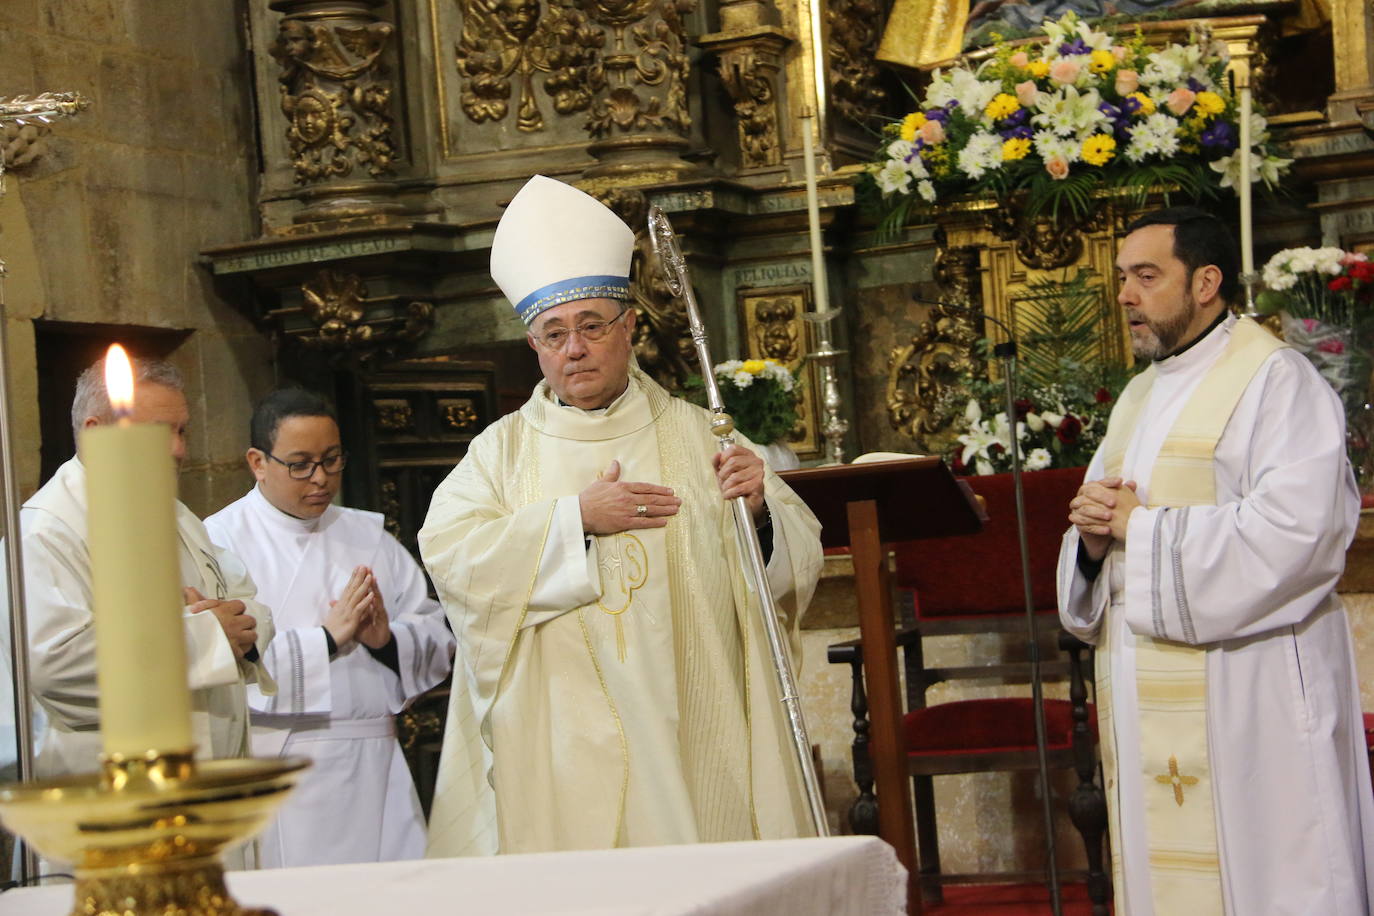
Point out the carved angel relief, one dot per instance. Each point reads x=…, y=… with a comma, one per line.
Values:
x=337, y=305
x=505, y=39
x=334, y=96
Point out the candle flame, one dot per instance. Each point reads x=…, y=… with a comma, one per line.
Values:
x=119, y=381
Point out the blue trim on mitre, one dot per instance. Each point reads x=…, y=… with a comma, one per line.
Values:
x=602, y=286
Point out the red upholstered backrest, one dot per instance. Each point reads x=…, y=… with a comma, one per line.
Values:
x=981, y=573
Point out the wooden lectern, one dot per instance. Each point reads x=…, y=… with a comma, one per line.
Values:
x=863, y=507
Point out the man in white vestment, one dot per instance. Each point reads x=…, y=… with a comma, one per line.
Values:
x=358, y=638
x=1207, y=542
x=614, y=685
x=226, y=629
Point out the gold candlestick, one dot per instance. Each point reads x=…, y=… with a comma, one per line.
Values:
x=144, y=836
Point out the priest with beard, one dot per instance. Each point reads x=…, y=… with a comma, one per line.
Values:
x=358, y=638
x=1206, y=545
x=613, y=684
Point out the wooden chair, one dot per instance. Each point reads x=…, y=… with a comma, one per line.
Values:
x=972, y=585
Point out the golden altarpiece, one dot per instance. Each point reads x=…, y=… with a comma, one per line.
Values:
x=391, y=134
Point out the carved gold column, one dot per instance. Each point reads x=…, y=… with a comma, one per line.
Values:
x=336, y=94
x=1352, y=41
x=639, y=119
x=749, y=47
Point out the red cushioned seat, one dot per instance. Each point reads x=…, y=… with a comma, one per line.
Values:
x=1369, y=730
x=988, y=726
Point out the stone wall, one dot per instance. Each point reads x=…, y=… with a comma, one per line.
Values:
x=104, y=226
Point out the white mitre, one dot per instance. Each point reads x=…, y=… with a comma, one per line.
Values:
x=556, y=244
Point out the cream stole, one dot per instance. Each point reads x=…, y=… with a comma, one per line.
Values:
x=1171, y=686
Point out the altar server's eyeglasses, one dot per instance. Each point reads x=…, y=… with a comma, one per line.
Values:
x=304, y=470
x=590, y=331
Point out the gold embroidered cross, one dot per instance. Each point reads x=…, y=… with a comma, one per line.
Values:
x=1177, y=779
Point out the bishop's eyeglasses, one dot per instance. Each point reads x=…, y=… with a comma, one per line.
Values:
x=590, y=331
x=304, y=470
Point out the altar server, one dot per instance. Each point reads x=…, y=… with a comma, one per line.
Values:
x=1207, y=542
x=227, y=630
x=615, y=687
x=358, y=638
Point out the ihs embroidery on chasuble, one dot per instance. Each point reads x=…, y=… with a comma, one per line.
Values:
x=624, y=570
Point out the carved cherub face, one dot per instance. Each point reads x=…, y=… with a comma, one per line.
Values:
x=520, y=17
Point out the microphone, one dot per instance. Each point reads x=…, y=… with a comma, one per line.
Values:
x=1006, y=352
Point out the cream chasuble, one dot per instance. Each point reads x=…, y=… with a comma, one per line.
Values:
x=1231, y=572
x=618, y=692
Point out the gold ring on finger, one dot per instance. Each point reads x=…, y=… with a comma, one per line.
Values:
x=641, y=510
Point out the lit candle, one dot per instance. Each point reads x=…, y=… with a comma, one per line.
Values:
x=1247, y=241
x=145, y=703
x=813, y=215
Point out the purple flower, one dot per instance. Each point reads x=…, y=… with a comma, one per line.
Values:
x=1077, y=46
x=1023, y=132
x=938, y=114
x=1015, y=119
x=1122, y=131
x=1195, y=85
x=1110, y=110
x=1130, y=105
x=1220, y=136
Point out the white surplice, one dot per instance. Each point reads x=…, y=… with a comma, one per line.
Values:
x=615, y=691
x=358, y=802
x=1255, y=578
x=57, y=582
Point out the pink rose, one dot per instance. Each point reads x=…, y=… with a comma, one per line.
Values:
x=1119, y=53
x=1127, y=81
x=1026, y=93
x=932, y=132
x=1309, y=324
x=1019, y=59
x=1180, y=100
x=1065, y=70
x=1332, y=345
x=1058, y=167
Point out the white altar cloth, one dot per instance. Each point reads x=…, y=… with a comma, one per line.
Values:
x=838, y=876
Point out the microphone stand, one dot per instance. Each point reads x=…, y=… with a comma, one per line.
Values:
x=1006, y=353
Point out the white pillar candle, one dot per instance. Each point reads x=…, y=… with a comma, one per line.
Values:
x=1247, y=240
x=145, y=703
x=813, y=215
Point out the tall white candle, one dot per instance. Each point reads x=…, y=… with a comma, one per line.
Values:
x=813, y=215
x=145, y=703
x=1247, y=232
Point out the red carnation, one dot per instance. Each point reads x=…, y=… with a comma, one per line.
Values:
x=1069, y=429
x=1103, y=396
x=1362, y=271
x=1023, y=407
x=1339, y=284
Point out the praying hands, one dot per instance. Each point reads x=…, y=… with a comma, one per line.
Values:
x=1101, y=512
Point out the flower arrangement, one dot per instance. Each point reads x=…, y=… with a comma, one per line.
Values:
x=760, y=394
x=1067, y=118
x=1056, y=426
x=1323, y=297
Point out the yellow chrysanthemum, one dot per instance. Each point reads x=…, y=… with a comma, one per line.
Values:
x=1001, y=106
x=753, y=366
x=1099, y=149
x=1038, y=68
x=1015, y=148
x=912, y=123
x=1209, y=103
x=1147, y=104
x=1101, y=61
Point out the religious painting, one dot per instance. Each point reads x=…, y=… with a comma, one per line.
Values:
x=772, y=327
